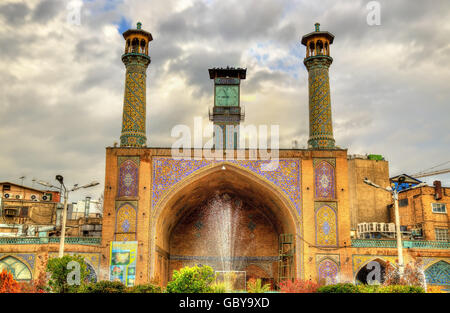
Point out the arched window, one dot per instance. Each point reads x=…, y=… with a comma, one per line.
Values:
x=135, y=45
x=438, y=274
x=142, y=48
x=319, y=47
x=127, y=47
x=312, y=48
x=18, y=269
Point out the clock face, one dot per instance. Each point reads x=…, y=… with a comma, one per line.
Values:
x=227, y=95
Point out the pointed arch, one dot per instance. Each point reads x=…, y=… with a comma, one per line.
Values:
x=328, y=271
x=126, y=222
x=438, y=273
x=326, y=225
x=19, y=269
x=191, y=190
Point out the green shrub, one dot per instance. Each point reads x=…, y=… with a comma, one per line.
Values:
x=368, y=288
x=191, y=280
x=145, y=288
x=61, y=274
x=339, y=288
x=103, y=286
x=401, y=289
x=255, y=286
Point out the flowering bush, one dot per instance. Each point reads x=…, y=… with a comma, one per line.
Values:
x=298, y=286
x=8, y=284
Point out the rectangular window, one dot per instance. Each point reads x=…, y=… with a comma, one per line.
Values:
x=439, y=208
x=6, y=187
x=403, y=202
x=441, y=234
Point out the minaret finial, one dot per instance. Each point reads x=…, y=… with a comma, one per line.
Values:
x=317, y=25
x=139, y=25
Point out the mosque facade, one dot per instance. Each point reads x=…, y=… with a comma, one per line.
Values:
x=223, y=206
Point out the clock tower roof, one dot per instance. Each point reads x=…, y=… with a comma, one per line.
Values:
x=231, y=72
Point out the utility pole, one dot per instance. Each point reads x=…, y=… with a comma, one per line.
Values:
x=394, y=192
x=60, y=179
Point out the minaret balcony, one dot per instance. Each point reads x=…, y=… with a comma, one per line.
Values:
x=225, y=114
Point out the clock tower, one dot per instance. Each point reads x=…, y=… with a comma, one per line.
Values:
x=227, y=112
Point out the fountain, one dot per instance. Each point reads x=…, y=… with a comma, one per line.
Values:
x=223, y=217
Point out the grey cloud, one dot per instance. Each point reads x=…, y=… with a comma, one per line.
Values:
x=47, y=10
x=14, y=13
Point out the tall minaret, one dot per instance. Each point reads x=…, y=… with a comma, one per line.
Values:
x=318, y=61
x=136, y=61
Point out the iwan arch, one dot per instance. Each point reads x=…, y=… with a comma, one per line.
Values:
x=292, y=222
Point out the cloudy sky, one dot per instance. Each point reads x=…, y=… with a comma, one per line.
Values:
x=62, y=82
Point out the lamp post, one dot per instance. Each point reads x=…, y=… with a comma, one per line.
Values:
x=394, y=192
x=60, y=179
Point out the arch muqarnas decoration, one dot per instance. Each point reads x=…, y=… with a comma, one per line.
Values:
x=17, y=268
x=328, y=271
x=326, y=224
x=438, y=274
x=324, y=179
x=128, y=177
x=126, y=220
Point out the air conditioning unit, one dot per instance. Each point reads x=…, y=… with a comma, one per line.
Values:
x=391, y=227
x=6, y=195
x=373, y=227
x=379, y=227
x=10, y=212
x=34, y=198
x=18, y=197
x=47, y=197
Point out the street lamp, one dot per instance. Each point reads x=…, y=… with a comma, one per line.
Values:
x=60, y=179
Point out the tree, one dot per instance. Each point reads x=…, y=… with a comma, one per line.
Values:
x=412, y=275
x=67, y=273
